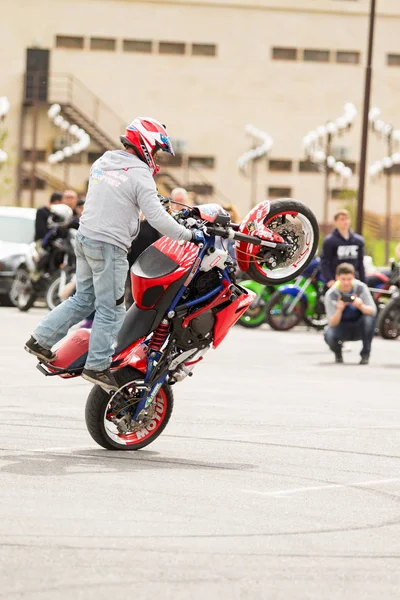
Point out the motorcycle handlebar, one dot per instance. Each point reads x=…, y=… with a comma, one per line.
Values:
x=232, y=234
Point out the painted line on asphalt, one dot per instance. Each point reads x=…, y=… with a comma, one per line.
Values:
x=333, y=486
x=316, y=430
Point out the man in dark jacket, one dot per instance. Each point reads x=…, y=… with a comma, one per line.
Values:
x=342, y=245
x=42, y=214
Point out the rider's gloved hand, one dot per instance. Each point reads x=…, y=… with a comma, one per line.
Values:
x=198, y=236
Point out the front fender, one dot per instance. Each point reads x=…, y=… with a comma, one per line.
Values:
x=292, y=290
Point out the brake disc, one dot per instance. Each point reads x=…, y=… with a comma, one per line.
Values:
x=293, y=235
x=122, y=407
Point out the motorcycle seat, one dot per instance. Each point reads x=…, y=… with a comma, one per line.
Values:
x=376, y=279
x=137, y=324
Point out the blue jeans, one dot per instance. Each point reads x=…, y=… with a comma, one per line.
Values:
x=351, y=331
x=101, y=270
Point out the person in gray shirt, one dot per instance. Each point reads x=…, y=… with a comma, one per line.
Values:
x=351, y=313
x=121, y=186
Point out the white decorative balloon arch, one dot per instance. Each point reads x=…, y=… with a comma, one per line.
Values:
x=83, y=138
x=313, y=141
x=255, y=153
x=389, y=133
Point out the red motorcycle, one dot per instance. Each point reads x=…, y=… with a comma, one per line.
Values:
x=186, y=300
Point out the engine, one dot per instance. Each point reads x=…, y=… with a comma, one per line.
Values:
x=202, y=325
x=204, y=282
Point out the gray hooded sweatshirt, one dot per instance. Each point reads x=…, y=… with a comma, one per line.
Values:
x=120, y=186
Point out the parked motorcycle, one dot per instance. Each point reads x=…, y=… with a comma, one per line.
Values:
x=300, y=300
x=255, y=315
x=56, y=257
x=389, y=318
x=186, y=300
x=383, y=282
x=64, y=276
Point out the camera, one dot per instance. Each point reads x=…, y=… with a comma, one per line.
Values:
x=347, y=297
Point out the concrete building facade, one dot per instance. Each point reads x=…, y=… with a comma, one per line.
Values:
x=206, y=68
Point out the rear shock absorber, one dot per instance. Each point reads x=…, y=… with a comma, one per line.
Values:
x=159, y=336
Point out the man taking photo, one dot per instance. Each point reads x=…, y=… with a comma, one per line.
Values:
x=351, y=313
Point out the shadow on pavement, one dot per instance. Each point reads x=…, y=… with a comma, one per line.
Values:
x=46, y=464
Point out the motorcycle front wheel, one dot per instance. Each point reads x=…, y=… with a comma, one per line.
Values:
x=104, y=414
x=297, y=225
x=52, y=296
x=284, y=311
x=389, y=320
x=22, y=293
x=255, y=315
x=317, y=318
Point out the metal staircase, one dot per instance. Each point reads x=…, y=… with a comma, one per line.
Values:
x=78, y=104
x=81, y=106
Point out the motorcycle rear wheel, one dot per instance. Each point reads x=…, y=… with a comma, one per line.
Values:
x=389, y=320
x=275, y=311
x=104, y=431
x=298, y=217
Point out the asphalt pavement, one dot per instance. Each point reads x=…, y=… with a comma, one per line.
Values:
x=278, y=477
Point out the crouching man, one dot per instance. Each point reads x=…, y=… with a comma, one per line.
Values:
x=351, y=313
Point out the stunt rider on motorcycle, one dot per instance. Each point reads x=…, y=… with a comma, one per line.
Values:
x=120, y=186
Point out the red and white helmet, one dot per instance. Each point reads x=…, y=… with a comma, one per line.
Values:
x=146, y=136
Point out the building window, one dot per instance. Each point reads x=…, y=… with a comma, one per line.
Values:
x=393, y=60
x=306, y=166
x=316, y=55
x=284, y=53
x=168, y=160
x=204, y=49
x=40, y=155
x=280, y=165
x=171, y=48
x=40, y=184
x=202, y=162
x=352, y=58
x=138, y=46
x=93, y=156
x=68, y=41
x=103, y=44
x=202, y=189
x=279, y=192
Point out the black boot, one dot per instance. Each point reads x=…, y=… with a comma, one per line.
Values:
x=104, y=379
x=33, y=347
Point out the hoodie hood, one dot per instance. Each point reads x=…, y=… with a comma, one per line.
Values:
x=115, y=160
x=352, y=236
